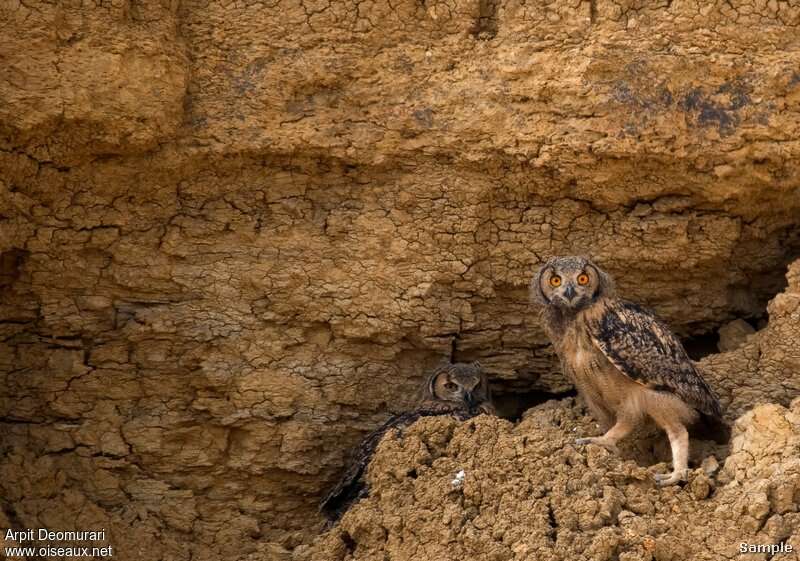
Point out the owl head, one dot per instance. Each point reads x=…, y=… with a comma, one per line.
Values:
x=570, y=283
x=460, y=383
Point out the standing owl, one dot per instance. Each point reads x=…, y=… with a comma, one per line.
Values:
x=625, y=363
x=460, y=390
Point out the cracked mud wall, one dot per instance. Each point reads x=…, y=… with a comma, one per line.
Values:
x=233, y=237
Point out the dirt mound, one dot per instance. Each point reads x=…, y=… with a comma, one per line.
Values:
x=530, y=493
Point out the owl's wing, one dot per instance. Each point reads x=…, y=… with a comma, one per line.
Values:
x=350, y=487
x=646, y=350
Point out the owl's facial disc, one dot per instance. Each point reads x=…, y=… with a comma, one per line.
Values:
x=452, y=391
x=461, y=388
x=572, y=288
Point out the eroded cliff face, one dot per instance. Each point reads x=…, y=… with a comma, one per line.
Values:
x=233, y=236
x=766, y=366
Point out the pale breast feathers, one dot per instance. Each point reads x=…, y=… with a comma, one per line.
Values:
x=643, y=348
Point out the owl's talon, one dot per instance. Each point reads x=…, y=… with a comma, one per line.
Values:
x=598, y=441
x=667, y=479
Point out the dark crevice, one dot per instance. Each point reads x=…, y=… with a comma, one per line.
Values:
x=763, y=286
x=16, y=524
x=512, y=406
x=552, y=533
x=707, y=343
x=486, y=25
x=454, y=342
x=700, y=346
x=349, y=542
x=750, y=297
x=11, y=263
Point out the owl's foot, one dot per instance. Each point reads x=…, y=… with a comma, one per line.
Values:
x=667, y=479
x=599, y=440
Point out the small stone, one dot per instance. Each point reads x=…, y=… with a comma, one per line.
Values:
x=732, y=335
x=758, y=505
x=649, y=543
x=96, y=302
x=700, y=487
x=724, y=171
x=624, y=515
x=710, y=465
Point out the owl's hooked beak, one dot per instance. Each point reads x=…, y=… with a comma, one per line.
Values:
x=569, y=292
x=469, y=398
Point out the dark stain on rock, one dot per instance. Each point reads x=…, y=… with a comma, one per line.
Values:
x=622, y=93
x=709, y=112
x=661, y=98
x=247, y=81
x=720, y=108
x=641, y=91
x=737, y=93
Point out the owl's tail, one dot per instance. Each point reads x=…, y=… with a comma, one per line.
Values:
x=711, y=427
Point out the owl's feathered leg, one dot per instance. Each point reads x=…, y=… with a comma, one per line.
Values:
x=679, y=442
x=600, y=414
x=620, y=430
x=627, y=417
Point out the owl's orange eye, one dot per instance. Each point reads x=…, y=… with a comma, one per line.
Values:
x=583, y=278
x=555, y=280
x=450, y=386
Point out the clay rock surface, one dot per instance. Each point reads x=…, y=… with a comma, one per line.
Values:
x=530, y=493
x=766, y=368
x=235, y=235
x=85, y=81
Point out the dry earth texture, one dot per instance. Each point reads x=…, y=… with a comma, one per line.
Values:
x=234, y=235
x=528, y=493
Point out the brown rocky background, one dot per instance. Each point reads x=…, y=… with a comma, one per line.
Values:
x=234, y=236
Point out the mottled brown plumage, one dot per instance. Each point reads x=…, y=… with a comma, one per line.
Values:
x=459, y=390
x=644, y=349
x=624, y=361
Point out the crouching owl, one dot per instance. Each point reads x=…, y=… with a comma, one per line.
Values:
x=625, y=363
x=460, y=390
